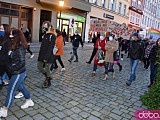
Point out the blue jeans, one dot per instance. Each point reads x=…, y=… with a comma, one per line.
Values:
x=16, y=83
x=133, y=64
x=154, y=70
x=74, y=53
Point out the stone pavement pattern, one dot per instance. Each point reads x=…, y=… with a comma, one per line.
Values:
x=76, y=96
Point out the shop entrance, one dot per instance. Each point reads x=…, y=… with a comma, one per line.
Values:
x=66, y=27
x=45, y=16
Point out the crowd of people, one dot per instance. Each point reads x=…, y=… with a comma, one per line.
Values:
x=108, y=51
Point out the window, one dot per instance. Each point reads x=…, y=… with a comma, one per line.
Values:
x=148, y=5
x=124, y=12
x=143, y=19
x=137, y=20
x=134, y=3
x=95, y=2
x=112, y=5
x=146, y=20
x=153, y=23
x=103, y=3
x=119, y=9
x=132, y=18
x=139, y=5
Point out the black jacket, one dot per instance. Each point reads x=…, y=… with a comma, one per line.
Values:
x=4, y=51
x=136, y=50
x=17, y=61
x=46, y=49
x=153, y=54
x=75, y=39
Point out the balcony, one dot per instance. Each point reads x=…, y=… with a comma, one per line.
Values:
x=136, y=10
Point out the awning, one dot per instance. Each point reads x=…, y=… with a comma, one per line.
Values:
x=134, y=26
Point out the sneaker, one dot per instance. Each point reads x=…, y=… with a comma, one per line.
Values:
x=32, y=56
x=28, y=103
x=19, y=95
x=106, y=77
x=76, y=61
x=63, y=69
x=93, y=74
x=5, y=82
x=128, y=83
x=121, y=59
x=120, y=68
x=3, y=112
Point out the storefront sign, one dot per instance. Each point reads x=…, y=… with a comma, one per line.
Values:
x=68, y=16
x=108, y=16
x=105, y=25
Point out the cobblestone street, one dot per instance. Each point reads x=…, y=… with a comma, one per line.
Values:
x=74, y=95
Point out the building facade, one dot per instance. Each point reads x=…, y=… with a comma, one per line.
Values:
x=113, y=10
x=32, y=13
x=151, y=18
x=135, y=14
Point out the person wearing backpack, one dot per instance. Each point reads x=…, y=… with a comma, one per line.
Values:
x=46, y=57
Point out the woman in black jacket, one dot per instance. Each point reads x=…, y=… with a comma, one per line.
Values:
x=17, y=70
x=4, y=46
x=153, y=62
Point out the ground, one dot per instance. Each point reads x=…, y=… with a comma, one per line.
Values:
x=74, y=95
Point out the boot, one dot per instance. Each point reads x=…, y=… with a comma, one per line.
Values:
x=47, y=83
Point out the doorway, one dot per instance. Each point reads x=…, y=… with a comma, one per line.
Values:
x=45, y=16
x=66, y=27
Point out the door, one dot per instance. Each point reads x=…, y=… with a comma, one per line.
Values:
x=45, y=16
x=66, y=27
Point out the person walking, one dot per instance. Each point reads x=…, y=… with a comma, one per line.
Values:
x=110, y=47
x=75, y=39
x=94, y=48
x=136, y=52
x=4, y=47
x=146, y=54
x=46, y=57
x=59, y=45
x=64, y=35
x=154, y=62
x=17, y=70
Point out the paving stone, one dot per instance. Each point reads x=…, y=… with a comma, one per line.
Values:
x=12, y=117
x=19, y=113
x=60, y=114
x=76, y=110
x=48, y=115
x=39, y=117
x=27, y=117
x=93, y=118
x=84, y=114
x=116, y=111
x=115, y=116
x=42, y=110
x=74, y=103
x=96, y=113
x=68, y=112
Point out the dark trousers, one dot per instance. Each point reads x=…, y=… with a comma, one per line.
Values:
x=74, y=53
x=146, y=62
x=93, y=54
x=154, y=70
x=54, y=65
x=109, y=67
x=28, y=49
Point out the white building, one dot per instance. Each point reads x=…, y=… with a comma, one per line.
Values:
x=151, y=18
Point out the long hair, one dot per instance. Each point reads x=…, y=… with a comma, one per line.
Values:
x=18, y=39
x=7, y=31
x=157, y=41
x=58, y=32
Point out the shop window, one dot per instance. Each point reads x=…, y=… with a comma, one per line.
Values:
x=4, y=20
x=15, y=7
x=5, y=5
x=14, y=22
x=4, y=11
x=14, y=12
x=66, y=22
x=25, y=15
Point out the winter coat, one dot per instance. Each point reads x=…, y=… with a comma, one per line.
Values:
x=100, y=43
x=76, y=39
x=136, y=50
x=17, y=61
x=110, y=47
x=46, y=49
x=153, y=54
x=148, y=50
x=59, y=45
x=4, y=47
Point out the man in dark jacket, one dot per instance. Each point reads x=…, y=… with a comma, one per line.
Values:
x=75, y=39
x=46, y=57
x=136, y=56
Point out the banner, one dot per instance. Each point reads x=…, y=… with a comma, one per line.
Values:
x=111, y=26
x=71, y=23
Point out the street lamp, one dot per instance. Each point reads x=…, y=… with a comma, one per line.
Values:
x=61, y=3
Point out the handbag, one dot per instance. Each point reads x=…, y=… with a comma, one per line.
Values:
x=55, y=49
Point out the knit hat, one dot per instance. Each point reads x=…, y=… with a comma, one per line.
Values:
x=135, y=34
